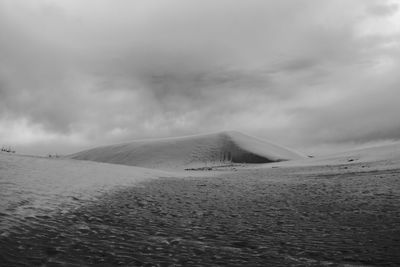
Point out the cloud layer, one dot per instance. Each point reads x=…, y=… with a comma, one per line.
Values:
x=307, y=73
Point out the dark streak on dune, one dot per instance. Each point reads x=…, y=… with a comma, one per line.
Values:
x=237, y=154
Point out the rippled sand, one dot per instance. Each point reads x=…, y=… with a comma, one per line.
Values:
x=303, y=216
x=33, y=186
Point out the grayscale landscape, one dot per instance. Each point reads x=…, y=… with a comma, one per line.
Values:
x=199, y=133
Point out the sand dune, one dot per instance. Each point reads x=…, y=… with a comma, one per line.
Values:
x=58, y=211
x=384, y=156
x=375, y=153
x=61, y=212
x=190, y=151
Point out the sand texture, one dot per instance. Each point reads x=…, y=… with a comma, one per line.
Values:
x=344, y=215
x=191, y=151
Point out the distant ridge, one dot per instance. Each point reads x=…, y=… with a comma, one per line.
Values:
x=190, y=151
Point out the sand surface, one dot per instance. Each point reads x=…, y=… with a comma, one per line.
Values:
x=328, y=215
x=179, y=153
x=34, y=186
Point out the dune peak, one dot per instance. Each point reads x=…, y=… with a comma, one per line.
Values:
x=190, y=151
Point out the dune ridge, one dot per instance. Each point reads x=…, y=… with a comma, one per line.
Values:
x=190, y=151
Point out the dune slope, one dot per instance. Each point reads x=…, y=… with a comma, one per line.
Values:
x=381, y=157
x=190, y=151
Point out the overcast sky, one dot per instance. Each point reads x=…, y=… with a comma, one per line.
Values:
x=312, y=75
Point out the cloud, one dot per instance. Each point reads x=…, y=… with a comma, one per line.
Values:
x=383, y=10
x=301, y=73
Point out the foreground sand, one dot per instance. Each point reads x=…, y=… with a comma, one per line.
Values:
x=304, y=216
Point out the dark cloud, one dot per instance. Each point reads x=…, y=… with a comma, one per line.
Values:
x=302, y=73
x=383, y=10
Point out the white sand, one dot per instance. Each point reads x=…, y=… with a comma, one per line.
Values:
x=190, y=151
x=30, y=186
x=381, y=157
